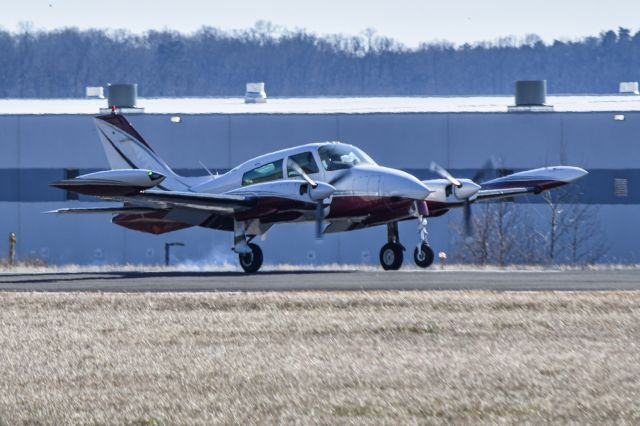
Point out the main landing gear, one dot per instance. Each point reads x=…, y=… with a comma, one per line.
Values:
x=392, y=253
x=250, y=254
x=251, y=261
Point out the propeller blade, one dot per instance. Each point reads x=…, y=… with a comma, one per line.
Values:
x=436, y=168
x=339, y=178
x=319, y=217
x=468, y=228
x=295, y=166
x=489, y=169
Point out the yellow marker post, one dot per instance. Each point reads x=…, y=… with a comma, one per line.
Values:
x=443, y=259
x=12, y=248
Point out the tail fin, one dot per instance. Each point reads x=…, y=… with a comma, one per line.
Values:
x=126, y=149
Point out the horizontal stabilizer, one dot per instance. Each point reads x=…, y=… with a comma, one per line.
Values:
x=104, y=210
x=111, y=183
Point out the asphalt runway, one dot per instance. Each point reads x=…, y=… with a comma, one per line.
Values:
x=324, y=281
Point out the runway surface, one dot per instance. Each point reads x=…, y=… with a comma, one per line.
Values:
x=324, y=281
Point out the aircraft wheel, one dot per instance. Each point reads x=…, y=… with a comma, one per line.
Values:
x=424, y=257
x=391, y=256
x=251, y=262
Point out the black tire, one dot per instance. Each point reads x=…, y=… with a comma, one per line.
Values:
x=251, y=262
x=425, y=258
x=391, y=256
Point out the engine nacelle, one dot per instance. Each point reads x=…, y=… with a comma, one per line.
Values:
x=107, y=183
x=468, y=189
x=445, y=192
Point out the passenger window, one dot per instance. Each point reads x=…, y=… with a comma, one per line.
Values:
x=264, y=173
x=306, y=161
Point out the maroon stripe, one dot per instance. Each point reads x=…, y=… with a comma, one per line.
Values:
x=152, y=223
x=540, y=184
x=123, y=124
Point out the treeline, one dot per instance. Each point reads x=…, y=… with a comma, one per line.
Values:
x=212, y=62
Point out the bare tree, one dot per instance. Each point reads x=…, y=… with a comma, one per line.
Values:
x=568, y=232
x=584, y=242
x=573, y=233
x=554, y=232
x=493, y=239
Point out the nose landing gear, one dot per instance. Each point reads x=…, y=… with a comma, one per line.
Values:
x=423, y=255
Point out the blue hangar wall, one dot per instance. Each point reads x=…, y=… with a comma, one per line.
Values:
x=36, y=149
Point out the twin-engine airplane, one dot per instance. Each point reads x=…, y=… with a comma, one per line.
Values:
x=335, y=185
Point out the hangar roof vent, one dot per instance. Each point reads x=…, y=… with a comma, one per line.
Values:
x=629, y=88
x=255, y=93
x=531, y=95
x=122, y=97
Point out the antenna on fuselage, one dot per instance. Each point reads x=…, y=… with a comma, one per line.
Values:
x=205, y=167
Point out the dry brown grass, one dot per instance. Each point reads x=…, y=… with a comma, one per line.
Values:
x=383, y=357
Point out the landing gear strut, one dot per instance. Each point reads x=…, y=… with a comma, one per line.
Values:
x=250, y=254
x=423, y=254
x=392, y=253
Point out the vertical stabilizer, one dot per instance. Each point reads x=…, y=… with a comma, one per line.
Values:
x=126, y=149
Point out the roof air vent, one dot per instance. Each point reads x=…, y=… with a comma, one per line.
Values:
x=531, y=96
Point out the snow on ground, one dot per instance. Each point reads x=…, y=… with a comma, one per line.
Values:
x=321, y=105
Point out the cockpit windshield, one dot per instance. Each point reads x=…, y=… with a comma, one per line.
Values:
x=340, y=156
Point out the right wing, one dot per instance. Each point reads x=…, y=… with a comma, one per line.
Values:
x=528, y=182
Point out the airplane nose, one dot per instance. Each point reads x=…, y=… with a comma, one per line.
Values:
x=417, y=191
x=404, y=185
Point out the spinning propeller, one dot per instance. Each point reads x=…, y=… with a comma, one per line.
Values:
x=318, y=192
x=464, y=190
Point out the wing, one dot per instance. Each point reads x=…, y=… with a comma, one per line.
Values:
x=529, y=182
x=157, y=212
x=153, y=201
x=219, y=203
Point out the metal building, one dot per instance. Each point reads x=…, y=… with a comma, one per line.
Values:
x=46, y=140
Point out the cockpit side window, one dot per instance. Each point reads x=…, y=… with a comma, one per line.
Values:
x=264, y=173
x=305, y=160
x=337, y=157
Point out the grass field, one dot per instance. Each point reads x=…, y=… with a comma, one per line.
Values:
x=375, y=357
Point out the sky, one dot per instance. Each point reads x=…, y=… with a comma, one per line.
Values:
x=410, y=22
